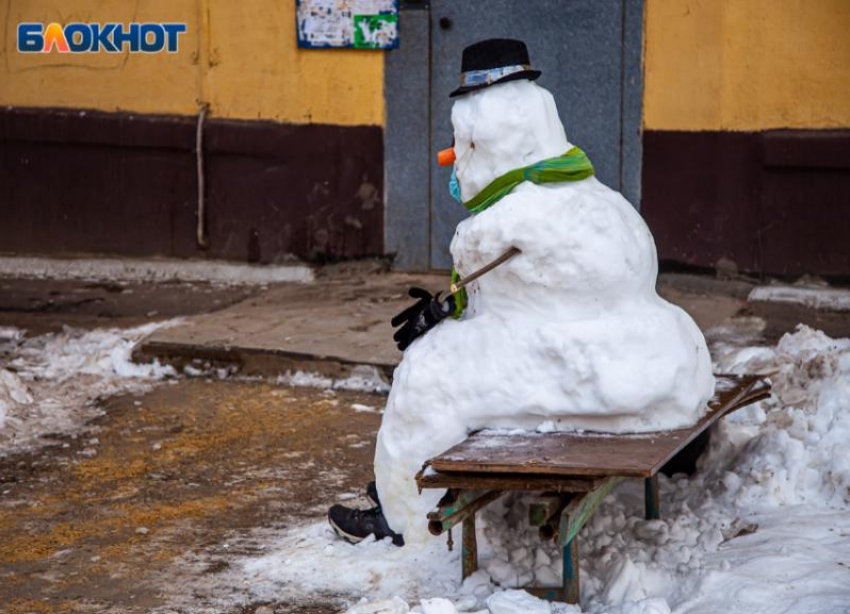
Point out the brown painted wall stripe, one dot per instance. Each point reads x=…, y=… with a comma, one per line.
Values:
x=108, y=183
x=775, y=202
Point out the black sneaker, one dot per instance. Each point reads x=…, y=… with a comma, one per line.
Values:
x=356, y=525
x=372, y=494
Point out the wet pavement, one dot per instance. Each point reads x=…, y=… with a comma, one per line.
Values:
x=102, y=522
x=45, y=305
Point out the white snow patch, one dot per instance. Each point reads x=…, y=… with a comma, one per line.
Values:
x=314, y=560
x=829, y=299
x=382, y=606
x=360, y=408
x=517, y=602
x=155, y=270
x=10, y=333
x=363, y=378
x=548, y=426
x=13, y=393
x=49, y=383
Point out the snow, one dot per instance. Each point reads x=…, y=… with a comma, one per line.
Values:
x=313, y=560
x=49, y=383
x=570, y=334
x=386, y=606
x=517, y=602
x=13, y=393
x=512, y=125
x=153, y=270
x=360, y=408
x=816, y=297
x=763, y=526
x=363, y=378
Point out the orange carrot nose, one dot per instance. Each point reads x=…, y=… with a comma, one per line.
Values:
x=446, y=157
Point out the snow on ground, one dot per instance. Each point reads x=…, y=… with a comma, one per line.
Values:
x=154, y=270
x=49, y=384
x=813, y=297
x=363, y=378
x=762, y=527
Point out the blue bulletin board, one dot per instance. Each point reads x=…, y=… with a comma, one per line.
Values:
x=354, y=24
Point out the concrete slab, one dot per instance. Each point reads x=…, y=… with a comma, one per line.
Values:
x=819, y=306
x=47, y=305
x=342, y=321
x=328, y=327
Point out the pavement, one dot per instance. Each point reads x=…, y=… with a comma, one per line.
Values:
x=342, y=320
x=153, y=504
x=328, y=327
x=46, y=305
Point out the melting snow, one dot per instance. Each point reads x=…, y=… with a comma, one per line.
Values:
x=363, y=378
x=762, y=527
x=49, y=383
x=830, y=299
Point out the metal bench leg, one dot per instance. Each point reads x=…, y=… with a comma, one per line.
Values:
x=570, y=574
x=573, y=517
x=469, y=548
x=650, y=488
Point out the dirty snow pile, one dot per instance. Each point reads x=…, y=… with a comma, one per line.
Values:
x=362, y=378
x=49, y=383
x=764, y=525
x=13, y=392
x=569, y=331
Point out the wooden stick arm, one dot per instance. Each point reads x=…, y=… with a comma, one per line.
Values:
x=460, y=284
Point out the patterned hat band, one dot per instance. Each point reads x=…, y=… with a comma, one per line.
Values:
x=490, y=75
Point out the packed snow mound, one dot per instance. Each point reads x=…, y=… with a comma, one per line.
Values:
x=13, y=394
x=570, y=332
x=761, y=527
x=799, y=453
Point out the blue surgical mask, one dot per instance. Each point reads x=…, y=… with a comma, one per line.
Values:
x=454, y=186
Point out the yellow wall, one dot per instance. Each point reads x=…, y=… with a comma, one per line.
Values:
x=246, y=65
x=747, y=64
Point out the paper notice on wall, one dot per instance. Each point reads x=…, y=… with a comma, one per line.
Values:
x=359, y=24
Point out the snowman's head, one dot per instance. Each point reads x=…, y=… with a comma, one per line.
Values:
x=503, y=127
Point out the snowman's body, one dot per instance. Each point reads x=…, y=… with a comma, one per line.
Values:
x=570, y=331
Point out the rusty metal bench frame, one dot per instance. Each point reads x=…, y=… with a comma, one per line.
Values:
x=575, y=473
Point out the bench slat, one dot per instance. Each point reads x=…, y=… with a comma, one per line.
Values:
x=498, y=481
x=591, y=454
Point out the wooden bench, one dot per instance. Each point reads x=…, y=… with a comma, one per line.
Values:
x=574, y=471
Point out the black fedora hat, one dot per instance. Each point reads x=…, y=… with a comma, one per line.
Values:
x=491, y=61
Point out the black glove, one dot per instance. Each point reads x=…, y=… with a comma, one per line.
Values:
x=420, y=317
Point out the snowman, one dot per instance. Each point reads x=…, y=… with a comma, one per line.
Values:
x=567, y=332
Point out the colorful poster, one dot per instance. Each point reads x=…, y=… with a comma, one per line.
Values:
x=358, y=24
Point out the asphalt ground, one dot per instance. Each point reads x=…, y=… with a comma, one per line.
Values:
x=102, y=521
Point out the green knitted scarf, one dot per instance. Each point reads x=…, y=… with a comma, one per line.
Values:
x=571, y=166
